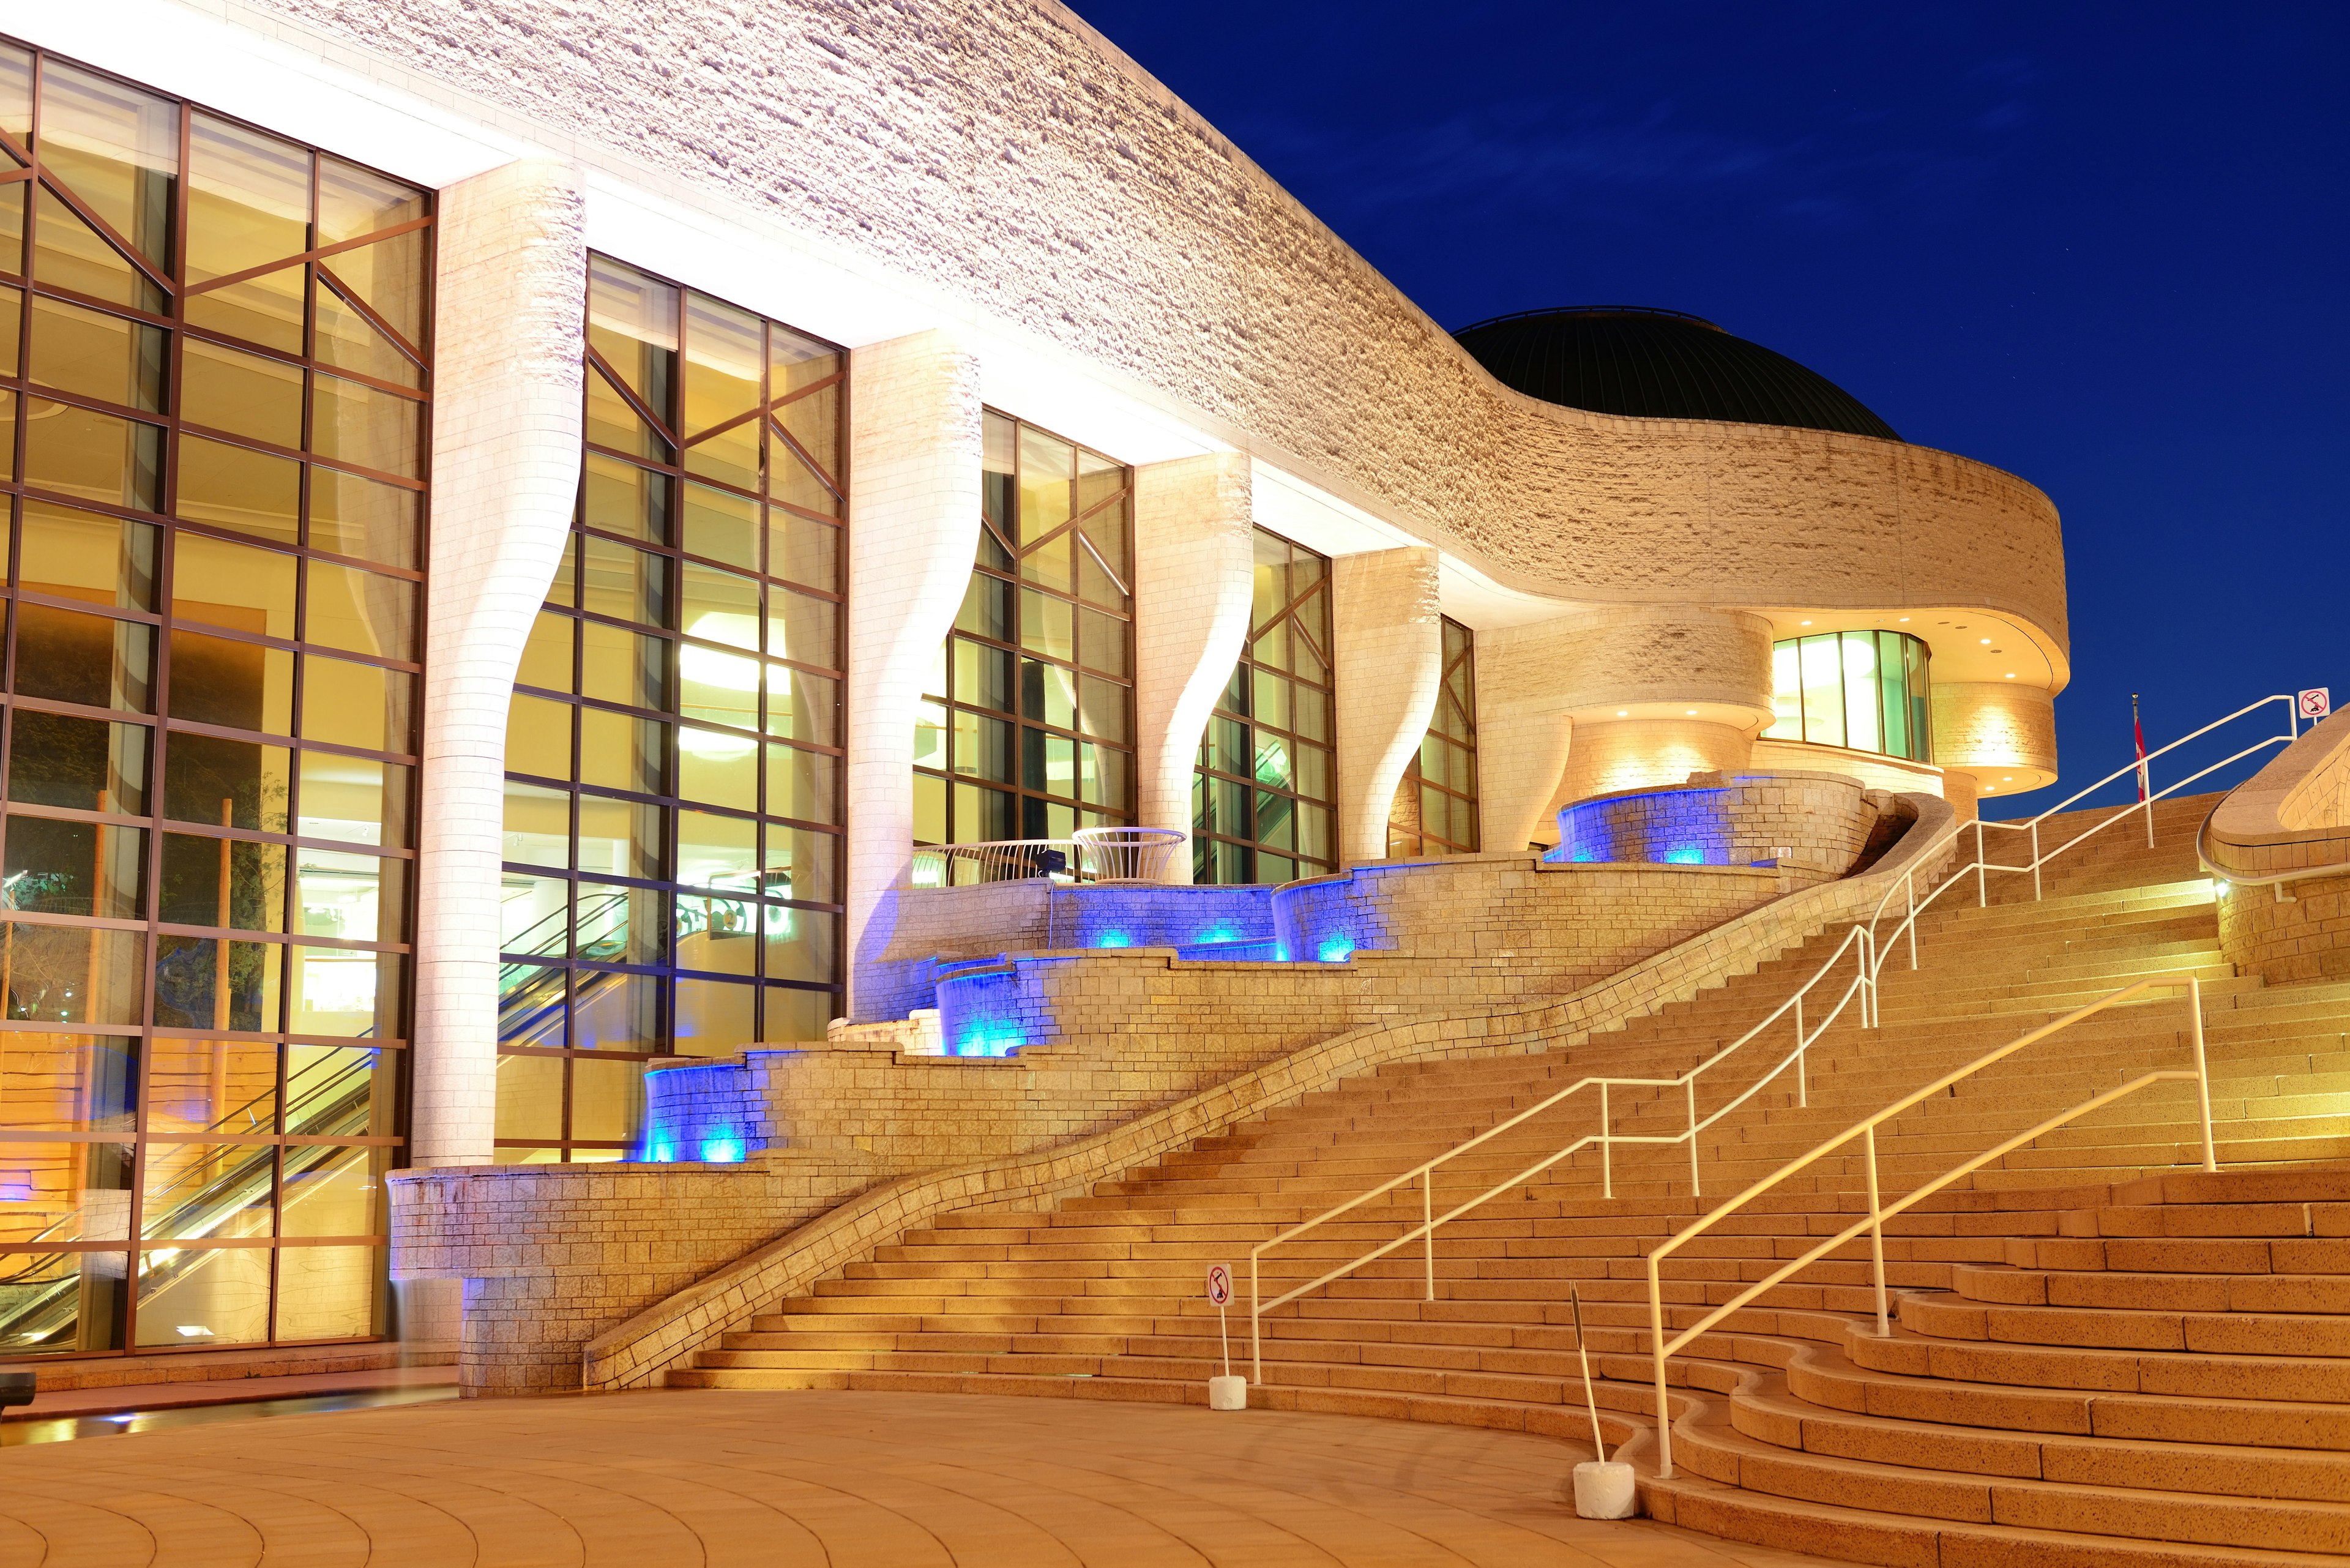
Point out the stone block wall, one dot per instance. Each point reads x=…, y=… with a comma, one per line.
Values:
x=637, y=1352
x=2293, y=816
x=1814, y=824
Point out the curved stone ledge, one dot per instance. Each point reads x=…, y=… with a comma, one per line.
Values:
x=636, y=1353
x=2291, y=816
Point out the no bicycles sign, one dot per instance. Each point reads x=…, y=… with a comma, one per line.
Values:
x=1219, y=1284
x=2317, y=702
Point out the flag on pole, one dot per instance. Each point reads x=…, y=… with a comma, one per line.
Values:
x=2138, y=732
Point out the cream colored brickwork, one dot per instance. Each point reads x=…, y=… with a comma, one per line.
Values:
x=636, y=1353
x=1194, y=571
x=510, y=299
x=1813, y=825
x=1522, y=736
x=2002, y=734
x=913, y=524
x=1388, y=628
x=2295, y=813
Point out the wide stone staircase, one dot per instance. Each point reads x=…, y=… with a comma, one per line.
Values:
x=2098, y=1353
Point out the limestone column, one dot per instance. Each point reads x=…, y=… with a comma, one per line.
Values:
x=1390, y=663
x=1993, y=738
x=1522, y=733
x=510, y=298
x=914, y=508
x=1658, y=692
x=1194, y=571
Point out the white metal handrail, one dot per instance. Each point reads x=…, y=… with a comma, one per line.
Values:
x=1855, y=942
x=1878, y=1211
x=1088, y=855
x=1981, y=865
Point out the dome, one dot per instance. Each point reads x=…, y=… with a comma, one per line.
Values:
x=1659, y=365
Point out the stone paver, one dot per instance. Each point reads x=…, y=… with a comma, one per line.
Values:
x=838, y=1479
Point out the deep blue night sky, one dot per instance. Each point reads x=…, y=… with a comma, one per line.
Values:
x=2102, y=247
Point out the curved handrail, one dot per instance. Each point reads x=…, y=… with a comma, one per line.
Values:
x=1981, y=865
x=1607, y=1138
x=1662, y=1349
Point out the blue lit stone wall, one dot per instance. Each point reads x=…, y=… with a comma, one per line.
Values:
x=1814, y=824
x=710, y=1112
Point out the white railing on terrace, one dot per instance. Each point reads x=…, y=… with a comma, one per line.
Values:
x=1872, y=944
x=1859, y=986
x=1088, y=855
x=1873, y=1223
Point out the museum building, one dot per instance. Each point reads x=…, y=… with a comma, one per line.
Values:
x=533, y=532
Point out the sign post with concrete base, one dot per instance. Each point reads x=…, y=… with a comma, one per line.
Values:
x=1228, y=1392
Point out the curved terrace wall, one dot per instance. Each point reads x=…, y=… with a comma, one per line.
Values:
x=1002, y=152
x=2293, y=816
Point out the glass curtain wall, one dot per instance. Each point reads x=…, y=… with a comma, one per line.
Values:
x=1026, y=728
x=1862, y=690
x=1263, y=794
x=213, y=377
x=1435, y=810
x=673, y=809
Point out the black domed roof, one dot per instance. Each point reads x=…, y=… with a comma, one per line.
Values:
x=1662, y=365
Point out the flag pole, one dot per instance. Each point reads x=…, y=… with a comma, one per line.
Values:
x=2145, y=780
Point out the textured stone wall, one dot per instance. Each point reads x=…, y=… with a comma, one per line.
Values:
x=1193, y=574
x=636, y=1353
x=913, y=496
x=2293, y=816
x=1523, y=735
x=1388, y=629
x=550, y=1254
x=1473, y=930
x=1608, y=756
x=510, y=296
x=1002, y=153
x=1813, y=825
x=2002, y=733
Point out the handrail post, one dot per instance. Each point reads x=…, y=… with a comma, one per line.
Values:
x=1256, y=1317
x=1803, y=1077
x=2035, y=858
x=1427, y=1222
x=2202, y=1072
x=1692, y=1085
x=1657, y=1349
x=1607, y=1147
x=1983, y=895
x=1877, y=1237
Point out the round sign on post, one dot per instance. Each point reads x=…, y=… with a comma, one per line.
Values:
x=1228, y=1392
x=2317, y=703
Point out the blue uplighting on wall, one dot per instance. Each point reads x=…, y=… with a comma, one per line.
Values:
x=661, y=1153
x=1113, y=939
x=1335, y=949
x=980, y=1012
x=1218, y=934
x=1685, y=854
x=725, y=1151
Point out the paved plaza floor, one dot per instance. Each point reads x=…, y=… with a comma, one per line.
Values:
x=841, y=1479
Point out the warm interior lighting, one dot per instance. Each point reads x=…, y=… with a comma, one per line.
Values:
x=1984, y=641
x=1623, y=713
x=1690, y=712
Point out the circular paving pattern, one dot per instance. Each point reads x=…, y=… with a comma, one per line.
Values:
x=690, y=1476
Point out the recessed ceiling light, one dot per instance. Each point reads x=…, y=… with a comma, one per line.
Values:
x=1690, y=711
x=1623, y=713
x=1807, y=623
x=1984, y=641
x=2006, y=778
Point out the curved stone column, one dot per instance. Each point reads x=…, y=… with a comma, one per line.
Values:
x=1194, y=570
x=1655, y=693
x=511, y=281
x=1391, y=662
x=2003, y=736
x=913, y=508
